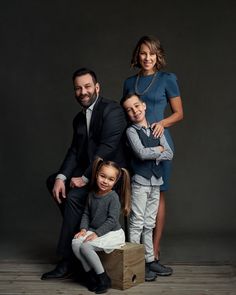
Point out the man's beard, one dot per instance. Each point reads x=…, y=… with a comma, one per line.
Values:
x=88, y=102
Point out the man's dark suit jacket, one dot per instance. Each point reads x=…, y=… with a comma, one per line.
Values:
x=106, y=139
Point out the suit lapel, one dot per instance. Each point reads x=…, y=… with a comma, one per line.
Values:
x=82, y=129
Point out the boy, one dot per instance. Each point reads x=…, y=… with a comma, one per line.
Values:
x=148, y=151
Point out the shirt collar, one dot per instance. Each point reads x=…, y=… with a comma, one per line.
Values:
x=139, y=127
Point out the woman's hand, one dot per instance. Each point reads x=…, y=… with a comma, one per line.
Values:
x=157, y=129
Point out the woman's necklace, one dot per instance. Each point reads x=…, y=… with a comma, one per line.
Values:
x=147, y=88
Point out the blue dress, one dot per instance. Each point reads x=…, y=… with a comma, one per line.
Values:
x=156, y=91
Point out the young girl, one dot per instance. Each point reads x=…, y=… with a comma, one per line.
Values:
x=100, y=229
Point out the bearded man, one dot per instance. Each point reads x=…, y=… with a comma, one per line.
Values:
x=98, y=131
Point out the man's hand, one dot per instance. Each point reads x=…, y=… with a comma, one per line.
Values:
x=59, y=190
x=91, y=237
x=77, y=182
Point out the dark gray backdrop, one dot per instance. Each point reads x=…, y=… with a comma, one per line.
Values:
x=43, y=42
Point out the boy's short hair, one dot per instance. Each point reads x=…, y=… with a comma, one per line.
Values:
x=129, y=95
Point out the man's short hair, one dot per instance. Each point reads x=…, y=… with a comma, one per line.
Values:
x=84, y=71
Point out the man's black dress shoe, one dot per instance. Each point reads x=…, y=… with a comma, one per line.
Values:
x=61, y=271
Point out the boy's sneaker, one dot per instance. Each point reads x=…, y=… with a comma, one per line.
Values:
x=149, y=275
x=160, y=269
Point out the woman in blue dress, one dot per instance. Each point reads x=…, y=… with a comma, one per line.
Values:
x=157, y=89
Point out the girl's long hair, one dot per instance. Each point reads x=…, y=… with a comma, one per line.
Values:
x=123, y=180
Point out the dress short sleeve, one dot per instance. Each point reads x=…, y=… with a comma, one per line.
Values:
x=172, y=87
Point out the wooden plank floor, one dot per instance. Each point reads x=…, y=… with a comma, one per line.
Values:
x=24, y=278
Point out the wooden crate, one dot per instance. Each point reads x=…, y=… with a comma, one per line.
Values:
x=125, y=266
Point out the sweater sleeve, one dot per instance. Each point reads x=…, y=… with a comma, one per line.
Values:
x=84, y=224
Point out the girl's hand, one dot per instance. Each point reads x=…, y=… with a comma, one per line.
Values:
x=82, y=233
x=91, y=237
x=157, y=129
